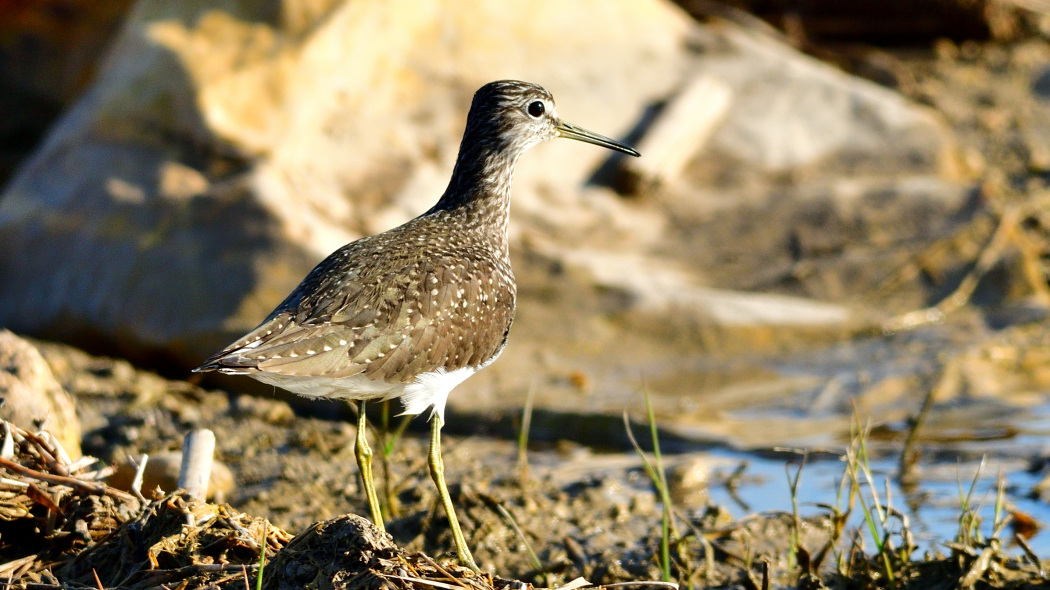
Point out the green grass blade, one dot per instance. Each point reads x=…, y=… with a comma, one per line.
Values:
x=262, y=555
x=656, y=475
x=665, y=494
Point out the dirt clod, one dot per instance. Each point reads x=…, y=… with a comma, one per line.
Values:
x=349, y=552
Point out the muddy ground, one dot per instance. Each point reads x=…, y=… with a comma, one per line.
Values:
x=296, y=470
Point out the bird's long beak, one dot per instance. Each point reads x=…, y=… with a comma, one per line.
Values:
x=573, y=132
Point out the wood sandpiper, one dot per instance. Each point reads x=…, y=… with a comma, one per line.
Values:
x=412, y=312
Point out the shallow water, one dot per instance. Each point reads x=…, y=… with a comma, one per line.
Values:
x=992, y=401
x=932, y=510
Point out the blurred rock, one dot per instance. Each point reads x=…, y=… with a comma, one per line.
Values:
x=31, y=397
x=793, y=111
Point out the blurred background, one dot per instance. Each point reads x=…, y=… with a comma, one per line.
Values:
x=841, y=206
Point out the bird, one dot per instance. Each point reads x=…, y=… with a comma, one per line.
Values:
x=412, y=312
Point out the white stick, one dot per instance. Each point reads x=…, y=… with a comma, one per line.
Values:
x=7, y=450
x=197, y=450
x=140, y=471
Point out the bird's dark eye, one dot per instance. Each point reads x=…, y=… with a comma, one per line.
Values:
x=536, y=109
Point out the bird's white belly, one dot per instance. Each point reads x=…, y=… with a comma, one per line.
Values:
x=354, y=387
x=428, y=389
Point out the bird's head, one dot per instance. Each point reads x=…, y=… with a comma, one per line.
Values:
x=517, y=115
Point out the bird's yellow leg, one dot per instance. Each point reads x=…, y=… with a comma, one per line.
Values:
x=437, y=472
x=363, y=452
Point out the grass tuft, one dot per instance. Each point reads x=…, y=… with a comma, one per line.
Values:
x=656, y=474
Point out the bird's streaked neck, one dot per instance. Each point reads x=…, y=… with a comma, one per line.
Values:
x=481, y=183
